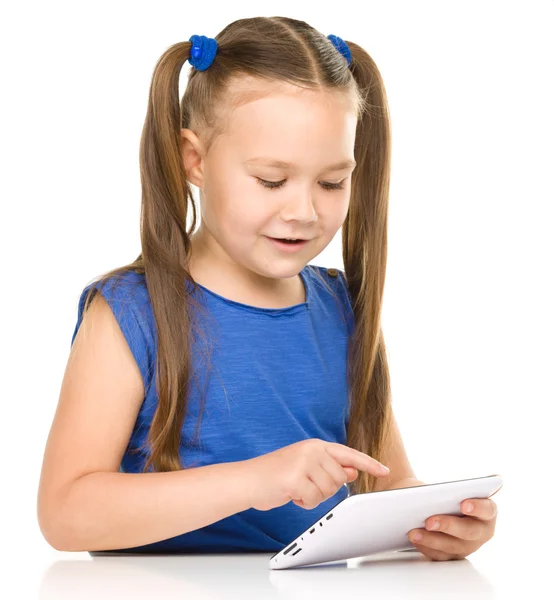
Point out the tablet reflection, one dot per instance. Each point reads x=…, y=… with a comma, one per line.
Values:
x=404, y=574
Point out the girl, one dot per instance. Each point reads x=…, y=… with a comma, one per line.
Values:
x=221, y=394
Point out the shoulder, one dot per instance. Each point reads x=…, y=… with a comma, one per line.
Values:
x=335, y=282
x=126, y=288
x=327, y=273
x=127, y=296
x=331, y=276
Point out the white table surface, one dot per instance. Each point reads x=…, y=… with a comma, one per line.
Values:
x=494, y=571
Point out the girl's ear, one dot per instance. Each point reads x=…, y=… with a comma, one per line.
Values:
x=191, y=151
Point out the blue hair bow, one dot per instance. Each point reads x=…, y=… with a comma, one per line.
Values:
x=202, y=52
x=341, y=46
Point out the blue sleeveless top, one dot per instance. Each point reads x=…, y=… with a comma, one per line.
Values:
x=274, y=376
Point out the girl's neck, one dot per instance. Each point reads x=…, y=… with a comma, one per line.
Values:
x=231, y=282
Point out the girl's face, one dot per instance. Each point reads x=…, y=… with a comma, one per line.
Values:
x=312, y=132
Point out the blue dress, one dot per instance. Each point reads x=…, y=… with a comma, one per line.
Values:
x=270, y=377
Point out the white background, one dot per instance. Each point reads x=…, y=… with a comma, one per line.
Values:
x=469, y=295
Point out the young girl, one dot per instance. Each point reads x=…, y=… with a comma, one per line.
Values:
x=221, y=394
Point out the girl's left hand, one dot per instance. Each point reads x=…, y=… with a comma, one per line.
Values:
x=457, y=537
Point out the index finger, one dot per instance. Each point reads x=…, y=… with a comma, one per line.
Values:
x=350, y=457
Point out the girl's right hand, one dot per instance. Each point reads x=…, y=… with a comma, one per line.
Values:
x=307, y=472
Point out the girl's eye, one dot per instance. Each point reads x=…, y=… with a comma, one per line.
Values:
x=271, y=185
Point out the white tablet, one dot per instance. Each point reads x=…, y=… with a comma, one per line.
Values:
x=373, y=522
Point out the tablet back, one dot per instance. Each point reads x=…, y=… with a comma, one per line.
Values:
x=379, y=521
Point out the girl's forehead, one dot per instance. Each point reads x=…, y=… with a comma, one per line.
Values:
x=293, y=143
x=268, y=119
x=283, y=114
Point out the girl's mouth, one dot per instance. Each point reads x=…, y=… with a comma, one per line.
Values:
x=288, y=245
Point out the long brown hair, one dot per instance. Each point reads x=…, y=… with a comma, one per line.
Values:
x=272, y=49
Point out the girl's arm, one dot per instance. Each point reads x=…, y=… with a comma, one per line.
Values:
x=110, y=511
x=84, y=502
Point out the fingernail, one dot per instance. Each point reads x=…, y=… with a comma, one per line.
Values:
x=416, y=537
x=469, y=507
x=383, y=468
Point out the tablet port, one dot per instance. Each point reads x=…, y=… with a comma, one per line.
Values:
x=328, y=517
x=312, y=530
x=290, y=548
x=297, y=551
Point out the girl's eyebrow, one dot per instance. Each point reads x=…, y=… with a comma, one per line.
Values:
x=281, y=164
